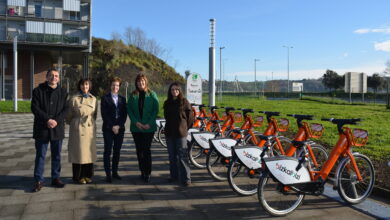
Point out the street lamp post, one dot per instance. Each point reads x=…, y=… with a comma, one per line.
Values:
x=288, y=68
x=220, y=73
x=255, y=76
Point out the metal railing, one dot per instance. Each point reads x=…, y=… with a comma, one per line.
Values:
x=45, y=38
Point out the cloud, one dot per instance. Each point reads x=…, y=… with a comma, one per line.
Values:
x=383, y=46
x=372, y=30
x=362, y=31
x=345, y=54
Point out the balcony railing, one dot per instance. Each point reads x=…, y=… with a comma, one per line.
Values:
x=46, y=38
x=46, y=13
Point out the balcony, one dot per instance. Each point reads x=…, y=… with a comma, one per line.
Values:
x=47, y=39
x=44, y=13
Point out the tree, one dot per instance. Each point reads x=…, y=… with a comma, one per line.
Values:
x=375, y=81
x=332, y=80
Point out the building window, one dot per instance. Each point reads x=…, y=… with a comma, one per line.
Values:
x=74, y=15
x=38, y=10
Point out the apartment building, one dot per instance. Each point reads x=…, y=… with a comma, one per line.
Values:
x=49, y=33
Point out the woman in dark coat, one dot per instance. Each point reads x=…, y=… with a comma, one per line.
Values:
x=114, y=115
x=179, y=118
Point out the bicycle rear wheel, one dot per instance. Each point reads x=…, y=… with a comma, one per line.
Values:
x=161, y=137
x=350, y=188
x=320, y=154
x=275, y=198
x=241, y=179
x=217, y=165
x=197, y=155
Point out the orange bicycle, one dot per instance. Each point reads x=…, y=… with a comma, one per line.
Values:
x=245, y=167
x=286, y=180
x=199, y=145
x=219, y=156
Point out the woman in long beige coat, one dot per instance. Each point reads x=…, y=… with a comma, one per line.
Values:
x=81, y=117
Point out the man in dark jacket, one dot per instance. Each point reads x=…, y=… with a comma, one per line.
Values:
x=48, y=106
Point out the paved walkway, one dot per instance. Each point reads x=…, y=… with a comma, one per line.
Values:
x=129, y=198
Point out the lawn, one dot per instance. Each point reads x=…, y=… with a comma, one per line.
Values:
x=375, y=119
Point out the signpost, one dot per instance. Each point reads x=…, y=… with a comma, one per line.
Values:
x=297, y=87
x=194, y=88
x=355, y=83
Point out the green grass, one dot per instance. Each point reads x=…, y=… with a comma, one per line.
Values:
x=8, y=106
x=375, y=119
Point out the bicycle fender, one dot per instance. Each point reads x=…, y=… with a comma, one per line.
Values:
x=283, y=169
x=223, y=145
x=158, y=122
x=202, y=138
x=249, y=156
x=189, y=136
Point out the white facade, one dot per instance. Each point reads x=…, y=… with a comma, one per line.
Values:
x=36, y=27
x=53, y=28
x=21, y=3
x=71, y=5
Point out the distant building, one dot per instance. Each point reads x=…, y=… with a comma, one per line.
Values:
x=49, y=32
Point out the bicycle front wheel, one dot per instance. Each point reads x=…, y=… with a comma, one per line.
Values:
x=217, y=165
x=275, y=198
x=350, y=188
x=197, y=155
x=241, y=179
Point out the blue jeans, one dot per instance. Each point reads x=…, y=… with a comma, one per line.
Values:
x=179, y=166
x=109, y=138
x=41, y=149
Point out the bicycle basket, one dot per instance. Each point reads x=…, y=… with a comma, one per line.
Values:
x=238, y=117
x=283, y=124
x=224, y=116
x=258, y=122
x=358, y=137
x=316, y=130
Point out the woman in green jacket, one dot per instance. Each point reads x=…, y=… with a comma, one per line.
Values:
x=143, y=109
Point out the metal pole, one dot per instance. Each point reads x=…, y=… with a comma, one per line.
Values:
x=255, y=77
x=212, y=63
x=288, y=68
x=15, y=74
x=220, y=73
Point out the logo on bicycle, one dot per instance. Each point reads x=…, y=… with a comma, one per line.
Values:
x=250, y=156
x=203, y=138
x=287, y=171
x=225, y=145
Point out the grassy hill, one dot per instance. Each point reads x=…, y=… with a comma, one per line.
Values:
x=114, y=58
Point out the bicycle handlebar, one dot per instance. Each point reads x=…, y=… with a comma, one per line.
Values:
x=341, y=122
x=351, y=121
x=247, y=110
x=227, y=109
x=302, y=117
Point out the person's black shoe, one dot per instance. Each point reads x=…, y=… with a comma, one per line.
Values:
x=57, y=183
x=37, y=186
x=116, y=176
x=147, y=178
x=108, y=179
x=171, y=180
x=187, y=183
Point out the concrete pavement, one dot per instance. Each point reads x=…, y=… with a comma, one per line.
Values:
x=129, y=198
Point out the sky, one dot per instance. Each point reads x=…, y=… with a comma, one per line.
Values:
x=341, y=35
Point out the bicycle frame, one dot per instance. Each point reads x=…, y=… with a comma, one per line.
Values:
x=343, y=149
x=301, y=136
